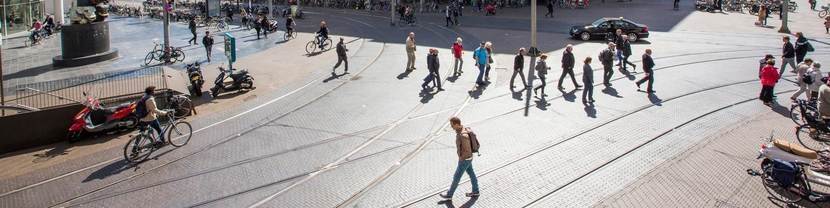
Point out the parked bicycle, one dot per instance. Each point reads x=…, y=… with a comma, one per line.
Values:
x=170, y=55
x=814, y=134
x=824, y=11
x=804, y=106
x=141, y=146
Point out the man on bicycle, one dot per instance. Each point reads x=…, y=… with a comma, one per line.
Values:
x=148, y=112
x=36, y=29
x=322, y=34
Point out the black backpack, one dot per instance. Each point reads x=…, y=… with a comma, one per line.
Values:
x=807, y=79
x=474, y=145
x=141, y=107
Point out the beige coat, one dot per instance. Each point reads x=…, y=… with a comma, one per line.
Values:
x=152, y=110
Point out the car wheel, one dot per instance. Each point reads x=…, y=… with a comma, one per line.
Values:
x=585, y=36
x=632, y=37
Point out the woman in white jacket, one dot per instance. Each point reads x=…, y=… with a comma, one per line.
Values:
x=816, y=74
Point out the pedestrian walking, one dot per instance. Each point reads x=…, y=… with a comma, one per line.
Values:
x=762, y=15
x=207, y=41
x=518, y=69
x=626, y=52
x=769, y=76
x=192, y=26
x=587, y=81
x=827, y=25
x=802, y=46
x=456, y=12
x=432, y=65
x=410, y=51
x=341, y=57
x=448, y=16
x=550, y=9
x=568, y=66
x=618, y=42
x=263, y=22
x=489, y=47
x=802, y=83
x=648, y=68
x=812, y=4
x=788, y=55
x=480, y=56
x=457, y=51
x=606, y=57
x=257, y=27
x=464, y=146
x=542, y=72
x=817, y=76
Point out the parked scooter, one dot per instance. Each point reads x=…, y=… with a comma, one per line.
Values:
x=194, y=73
x=240, y=80
x=96, y=118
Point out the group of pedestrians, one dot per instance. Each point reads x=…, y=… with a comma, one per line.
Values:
x=809, y=77
x=483, y=60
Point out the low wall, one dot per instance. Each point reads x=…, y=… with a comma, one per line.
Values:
x=25, y=130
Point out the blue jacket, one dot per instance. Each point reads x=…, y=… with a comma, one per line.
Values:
x=480, y=54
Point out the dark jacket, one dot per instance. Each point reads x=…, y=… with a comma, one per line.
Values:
x=192, y=26
x=541, y=68
x=606, y=57
x=801, y=45
x=618, y=40
x=587, y=75
x=432, y=63
x=789, y=50
x=519, y=62
x=626, y=48
x=207, y=41
x=648, y=63
x=341, y=49
x=324, y=31
x=568, y=60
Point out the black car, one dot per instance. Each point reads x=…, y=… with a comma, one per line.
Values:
x=603, y=26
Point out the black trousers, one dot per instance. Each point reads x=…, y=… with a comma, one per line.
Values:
x=207, y=51
x=341, y=59
x=626, y=62
x=194, y=37
x=544, y=83
x=588, y=91
x=521, y=74
x=487, y=71
x=449, y=21
x=649, y=79
x=565, y=72
x=766, y=93
x=799, y=57
x=608, y=71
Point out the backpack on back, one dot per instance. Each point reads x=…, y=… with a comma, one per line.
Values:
x=474, y=145
x=141, y=107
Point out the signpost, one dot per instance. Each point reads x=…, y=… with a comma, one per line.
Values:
x=230, y=49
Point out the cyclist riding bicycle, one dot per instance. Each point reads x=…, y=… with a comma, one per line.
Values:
x=322, y=34
x=36, y=29
x=289, y=25
x=148, y=112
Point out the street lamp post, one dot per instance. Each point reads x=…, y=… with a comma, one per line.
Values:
x=167, y=8
x=785, y=8
x=392, y=12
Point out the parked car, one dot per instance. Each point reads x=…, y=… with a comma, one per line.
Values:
x=601, y=27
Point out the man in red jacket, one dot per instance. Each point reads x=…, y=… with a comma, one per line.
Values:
x=769, y=76
x=457, y=50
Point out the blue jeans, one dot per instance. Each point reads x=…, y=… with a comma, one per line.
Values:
x=155, y=125
x=481, y=68
x=464, y=166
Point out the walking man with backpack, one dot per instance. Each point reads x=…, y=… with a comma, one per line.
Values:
x=606, y=57
x=465, y=143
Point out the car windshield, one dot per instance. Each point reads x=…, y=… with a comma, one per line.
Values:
x=599, y=21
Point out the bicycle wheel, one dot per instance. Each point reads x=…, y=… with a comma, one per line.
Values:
x=179, y=133
x=149, y=58
x=822, y=13
x=774, y=189
x=327, y=44
x=310, y=47
x=138, y=148
x=286, y=36
x=185, y=108
x=179, y=54
x=811, y=138
x=795, y=115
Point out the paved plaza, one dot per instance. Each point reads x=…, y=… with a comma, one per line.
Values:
x=373, y=138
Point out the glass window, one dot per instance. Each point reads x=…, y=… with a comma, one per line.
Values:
x=18, y=14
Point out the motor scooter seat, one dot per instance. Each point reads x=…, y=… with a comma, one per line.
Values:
x=795, y=149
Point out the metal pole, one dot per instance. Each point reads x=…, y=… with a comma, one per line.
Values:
x=166, y=30
x=2, y=89
x=784, y=10
x=533, y=53
x=392, y=12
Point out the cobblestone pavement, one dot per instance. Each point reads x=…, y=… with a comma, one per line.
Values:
x=373, y=138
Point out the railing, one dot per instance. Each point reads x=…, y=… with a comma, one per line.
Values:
x=105, y=86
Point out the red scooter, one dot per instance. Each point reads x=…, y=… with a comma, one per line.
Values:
x=96, y=118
